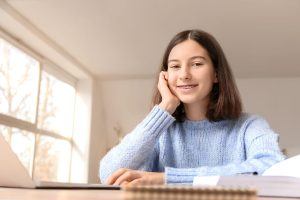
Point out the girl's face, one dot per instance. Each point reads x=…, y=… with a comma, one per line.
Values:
x=191, y=74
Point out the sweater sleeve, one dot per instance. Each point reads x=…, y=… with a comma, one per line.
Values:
x=138, y=149
x=262, y=151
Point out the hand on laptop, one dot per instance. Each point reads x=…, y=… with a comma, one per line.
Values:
x=131, y=177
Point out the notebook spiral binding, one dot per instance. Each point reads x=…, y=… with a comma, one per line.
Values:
x=167, y=192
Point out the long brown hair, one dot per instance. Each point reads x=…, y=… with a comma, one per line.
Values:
x=225, y=101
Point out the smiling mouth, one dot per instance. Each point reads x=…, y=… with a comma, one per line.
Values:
x=187, y=86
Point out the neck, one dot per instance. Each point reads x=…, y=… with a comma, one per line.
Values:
x=196, y=111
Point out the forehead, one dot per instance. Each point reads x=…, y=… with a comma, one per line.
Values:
x=186, y=50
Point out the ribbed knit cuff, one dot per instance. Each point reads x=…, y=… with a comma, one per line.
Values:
x=180, y=176
x=157, y=121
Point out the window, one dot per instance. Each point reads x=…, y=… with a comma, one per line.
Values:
x=36, y=114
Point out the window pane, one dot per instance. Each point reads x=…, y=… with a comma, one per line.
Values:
x=5, y=132
x=22, y=144
x=18, y=83
x=52, y=160
x=56, y=108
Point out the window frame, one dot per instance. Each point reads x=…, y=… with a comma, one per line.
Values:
x=60, y=74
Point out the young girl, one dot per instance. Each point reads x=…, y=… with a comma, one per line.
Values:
x=196, y=126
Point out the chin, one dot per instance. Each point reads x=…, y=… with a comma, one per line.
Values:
x=187, y=100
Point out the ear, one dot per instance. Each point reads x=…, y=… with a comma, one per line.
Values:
x=216, y=78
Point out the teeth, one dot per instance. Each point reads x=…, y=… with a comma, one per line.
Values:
x=187, y=87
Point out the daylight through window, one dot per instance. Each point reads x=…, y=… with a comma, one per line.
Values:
x=36, y=114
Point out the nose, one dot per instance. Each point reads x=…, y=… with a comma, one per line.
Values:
x=185, y=73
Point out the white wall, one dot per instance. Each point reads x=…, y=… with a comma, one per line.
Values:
x=98, y=137
x=115, y=103
x=127, y=102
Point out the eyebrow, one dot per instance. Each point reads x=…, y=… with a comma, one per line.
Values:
x=191, y=58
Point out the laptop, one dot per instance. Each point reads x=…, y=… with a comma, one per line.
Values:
x=14, y=174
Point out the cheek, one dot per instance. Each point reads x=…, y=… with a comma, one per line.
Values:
x=210, y=77
x=171, y=79
x=172, y=82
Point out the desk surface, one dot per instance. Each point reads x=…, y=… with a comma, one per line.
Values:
x=32, y=194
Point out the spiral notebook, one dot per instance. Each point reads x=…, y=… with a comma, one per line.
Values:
x=281, y=180
x=171, y=192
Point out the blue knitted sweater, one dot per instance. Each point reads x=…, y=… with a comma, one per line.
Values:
x=187, y=149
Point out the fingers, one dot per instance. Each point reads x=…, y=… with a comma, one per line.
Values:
x=166, y=75
x=125, y=183
x=136, y=182
x=112, y=178
x=127, y=177
x=162, y=82
x=145, y=178
x=123, y=176
x=162, y=77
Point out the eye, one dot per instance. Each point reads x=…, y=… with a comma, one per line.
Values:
x=174, y=66
x=197, y=64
